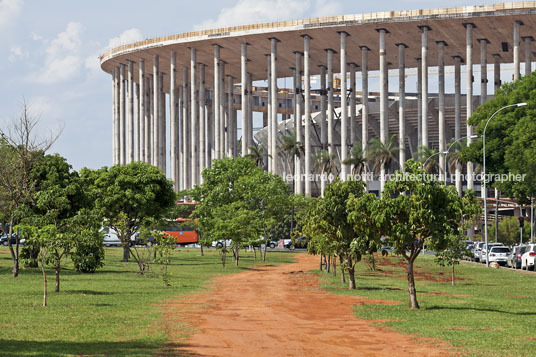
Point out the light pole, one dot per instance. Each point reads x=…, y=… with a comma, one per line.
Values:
x=484, y=175
x=446, y=153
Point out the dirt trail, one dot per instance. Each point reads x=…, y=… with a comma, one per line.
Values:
x=281, y=311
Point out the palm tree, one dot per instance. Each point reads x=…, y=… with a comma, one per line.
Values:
x=382, y=155
x=326, y=164
x=430, y=157
x=257, y=154
x=291, y=148
x=454, y=157
x=356, y=159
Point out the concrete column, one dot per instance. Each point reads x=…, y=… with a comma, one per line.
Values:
x=156, y=107
x=384, y=122
x=496, y=72
x=528, y=54
x=469, y=95
x=209, y=133
x=457, y=116
x=250, y=111
x=179, y=128
x=307, y=75
x=274, y=100
x=441, y=84
x=483, y=71
x=424, y=83
x=150, y=119
x=115, y=100
x=231, y=128
x=130, y=112
x=344, y=107
x=193, y=118
x=331, y=107
x=201, y=139
x=162, y=121
x=122, y=119
x=401, y=104
x=173, y=127
x=517, y=71
x=298, y=121
x=186, y=172
x=365, y=95
x=244, y=99
x=323, y=107
x=138, y=123
x=223, y=115
x=142, y=111
x=353, y=120
x=419, y=102
x=269, y=111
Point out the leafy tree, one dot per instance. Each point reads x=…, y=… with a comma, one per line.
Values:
x=509, y=231
x=510, y=137
x=414, y=212
x=236, y=192
x=129, y=196
x=430, y=157
x=382, y=155
x=451, y=256
x=357, y=160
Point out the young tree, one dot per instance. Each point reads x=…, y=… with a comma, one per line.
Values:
x=129, y=196
x=451, y=256
x=20, y=149
x=416, y=211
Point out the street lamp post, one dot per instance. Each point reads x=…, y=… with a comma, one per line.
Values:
x=484, y=175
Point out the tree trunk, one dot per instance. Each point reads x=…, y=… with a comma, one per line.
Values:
x=202, y=252
x=14, y=252
x=321, y=263
x=265, y=249
x=351, y=277
x=126, y=253
x=44, y=282
x=254, y=253
x=58, y=269
x=237, y=252
x=452, y=274
x=343, y=277
x=373, y=262
x=334, y=266
x=413, y=304
x=328, y=264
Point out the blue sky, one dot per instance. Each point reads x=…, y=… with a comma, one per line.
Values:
x=49, y=50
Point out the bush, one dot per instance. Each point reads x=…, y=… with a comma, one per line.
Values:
x=88, y=255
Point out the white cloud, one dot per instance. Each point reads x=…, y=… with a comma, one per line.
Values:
x=17, y=53
x=251, y=12
x=327, y=8
x=9, y=9
x=126, y=37
x=62, y=60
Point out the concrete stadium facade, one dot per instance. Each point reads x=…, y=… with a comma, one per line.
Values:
x=195, y=88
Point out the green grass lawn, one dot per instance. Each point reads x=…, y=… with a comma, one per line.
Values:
x=114, y=312
x=494, y=314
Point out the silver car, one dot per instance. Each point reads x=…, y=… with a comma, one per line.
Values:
x=485, y=250
x=476, y=251
x=499, y=254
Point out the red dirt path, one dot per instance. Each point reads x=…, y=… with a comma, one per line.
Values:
x=282, y=311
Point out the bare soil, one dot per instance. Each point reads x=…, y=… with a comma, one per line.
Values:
x=282, y=311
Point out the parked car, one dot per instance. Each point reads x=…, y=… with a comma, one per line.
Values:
x=514, y=259
x=499, y=254
x=297, y=243
x=476, y=251
x=528, y=258
x=5, y=241
x=485, y=250
x=219, y=243
x=112, y=241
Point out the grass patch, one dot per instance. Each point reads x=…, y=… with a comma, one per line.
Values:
x=488, y=312
x=114, y=312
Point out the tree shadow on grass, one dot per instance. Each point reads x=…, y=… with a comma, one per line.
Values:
x=87, y=292
x=461, y=308
x=67, y=348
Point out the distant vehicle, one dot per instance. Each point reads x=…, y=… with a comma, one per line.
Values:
x=528, y=258
x=219, y=243
x=183, y=230
x=499, y=254
x=297, y=243
x=112, y=241
x=5, y=241
x=485, y=250
x=514, y=259
x=476, y=250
